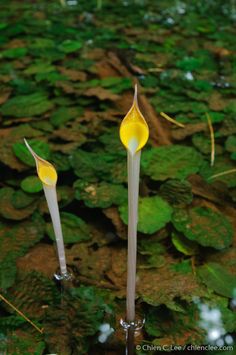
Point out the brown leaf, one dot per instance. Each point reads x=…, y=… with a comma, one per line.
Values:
x=4, y=96
x=121, y=228
x=163, y=285
x=101, y=94
x=72, y=74
x=41, y=258
x=189, y=129
x=216, y=102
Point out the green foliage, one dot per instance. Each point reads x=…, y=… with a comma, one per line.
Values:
x=221, y=165
x=22, y=152
x=15, y=241
x=27, y=105
x=204, y=226
x=184, y=245
x=7, y=205
x=74, y=229
x=65, y=114
x=177, y=192
x=31, y=184
x=217, y=278
x=154, y=214
x=101, y=195
x=174, y=162
x=69, y=46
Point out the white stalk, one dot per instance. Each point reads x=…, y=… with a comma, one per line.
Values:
x=51, y=197
x=48, y=176
x=133, y=193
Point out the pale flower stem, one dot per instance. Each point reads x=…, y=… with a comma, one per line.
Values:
x=51, y=197
x=133, y=192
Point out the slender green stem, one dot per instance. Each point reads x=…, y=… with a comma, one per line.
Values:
x=133, y=192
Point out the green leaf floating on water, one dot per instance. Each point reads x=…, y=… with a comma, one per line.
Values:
x=65, y=114
x=218, y=279
x=69, y=46
x=154, y=214
x=184, y=245
x=7, y=205
x=101, y=195
x=15, y=240
x=74, y=229
x=13, y=53
x=221, y=165
x=27, y=105
x=204, y=226
x=173, y=161
x=31, y=184
x=22, y=152
x=92, y=166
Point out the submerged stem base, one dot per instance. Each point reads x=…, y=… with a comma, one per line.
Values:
x=135, y=325
x=63, y=277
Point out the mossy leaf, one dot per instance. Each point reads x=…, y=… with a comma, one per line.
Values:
x=8, y=209
x=221, y=165
x=154, y=214
x=74, y=229
x=204, y=226
x=65, y=114
x=27, y=105
x=40, y=147
x=184, y=245
x=14, y=242
x=173, y=161
x=101, y=195
x=70, y=46
x=217, y=278
x=31, y=184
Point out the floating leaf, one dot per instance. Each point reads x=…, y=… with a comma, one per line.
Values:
x=204, y=226
x=184, y=245
x=31, y=184
x=177, y=192
x=65, y=114
x=101, y=195
x=13, y=53
x=221, y=165
x=7, y=206
x=14, y=242
x=27, y=105
x=74, y=229
x=22, y=152
x=217, y=278
x=69, y=46
x=91, y=166
x=173, y=161
x=21, y=200
x=230, y=144
x=154, y=214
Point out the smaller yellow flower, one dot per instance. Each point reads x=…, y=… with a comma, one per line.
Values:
x=46, y=171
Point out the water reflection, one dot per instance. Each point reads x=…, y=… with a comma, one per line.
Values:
x=211, y=321
x=105, y=331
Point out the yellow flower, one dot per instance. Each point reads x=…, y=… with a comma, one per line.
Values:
x=134, y=130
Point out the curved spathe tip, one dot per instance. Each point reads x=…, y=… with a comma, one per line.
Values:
x=134, y=130
x=46, y=171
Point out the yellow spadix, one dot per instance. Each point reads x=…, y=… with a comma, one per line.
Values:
x=46, y=171
x=134, y=130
